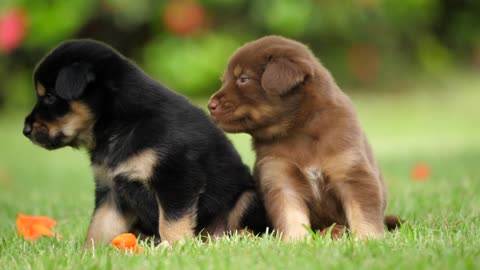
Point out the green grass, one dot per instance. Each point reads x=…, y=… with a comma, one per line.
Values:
x=433, y=122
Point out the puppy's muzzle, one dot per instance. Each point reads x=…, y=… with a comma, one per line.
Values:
x=213, y=106
x=27, y=129
x=217, y=107
x=38, y=134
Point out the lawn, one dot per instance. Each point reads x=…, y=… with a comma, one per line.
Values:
x=433, y=121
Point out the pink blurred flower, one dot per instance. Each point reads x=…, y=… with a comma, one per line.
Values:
x=13, y=29
x=184, y=17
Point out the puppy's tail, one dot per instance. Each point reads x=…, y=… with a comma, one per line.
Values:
x=393, y=222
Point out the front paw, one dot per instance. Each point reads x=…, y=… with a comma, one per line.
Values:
x=368, y=234
x=335, y=233
x=294, y=236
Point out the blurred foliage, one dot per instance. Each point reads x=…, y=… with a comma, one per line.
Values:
x=186, y=43
x=193, y=66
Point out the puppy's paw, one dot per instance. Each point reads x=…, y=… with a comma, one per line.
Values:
x=336, y=232
x=294, y=236
x=245, y=233
x=163, y=245
x=369, y=235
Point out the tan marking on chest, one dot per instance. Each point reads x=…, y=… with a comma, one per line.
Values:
x=139, y=167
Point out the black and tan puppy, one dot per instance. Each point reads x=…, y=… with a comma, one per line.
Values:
x=161, y=166
x=314, y=164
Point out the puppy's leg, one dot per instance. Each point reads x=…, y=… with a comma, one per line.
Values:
x=288, y=212
x=177, y=187
x=236, y=215
x=362, y=201
x=176, y=225
x=107, y=221
x=283, y=188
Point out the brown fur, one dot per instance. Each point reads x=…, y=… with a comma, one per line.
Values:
x=314, y=164
x=336, y=232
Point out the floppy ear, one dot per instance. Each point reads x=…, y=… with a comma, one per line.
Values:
x=282, y=74
x=72, y=80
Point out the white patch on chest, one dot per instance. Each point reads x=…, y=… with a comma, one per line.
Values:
x=315, y=177
x=139, y=167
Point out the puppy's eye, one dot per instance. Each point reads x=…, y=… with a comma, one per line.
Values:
x=49, y=99
x=243, y=80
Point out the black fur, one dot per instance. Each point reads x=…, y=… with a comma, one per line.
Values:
x=198, y=167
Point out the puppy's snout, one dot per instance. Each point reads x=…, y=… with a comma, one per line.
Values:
x=27, y=129
x=213, y=105
x=28, y=126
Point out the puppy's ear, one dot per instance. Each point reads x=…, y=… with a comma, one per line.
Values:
x=283, y=74
x=72, y=80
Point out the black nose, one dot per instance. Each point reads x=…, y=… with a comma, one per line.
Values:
x=27, y=129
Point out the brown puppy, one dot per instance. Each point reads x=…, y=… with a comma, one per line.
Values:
x=314, y=164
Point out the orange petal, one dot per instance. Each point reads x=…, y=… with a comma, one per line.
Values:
x=42, y=230
x=421, y=172
x=30, y=235
x=23, y=224
x=126, y=241
x=32, y=227
x=45, y=221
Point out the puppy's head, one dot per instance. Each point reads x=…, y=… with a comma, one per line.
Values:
x=64, y=81
x=262, y=85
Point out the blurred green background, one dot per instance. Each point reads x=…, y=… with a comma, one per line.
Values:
x=186, y=43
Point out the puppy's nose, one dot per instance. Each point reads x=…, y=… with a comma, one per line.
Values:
x=213, y=105
x=27, y=129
